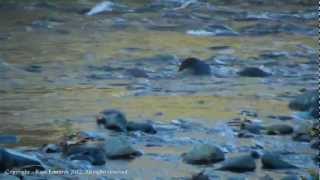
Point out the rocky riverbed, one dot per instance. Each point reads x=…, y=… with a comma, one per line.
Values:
x=99, y=92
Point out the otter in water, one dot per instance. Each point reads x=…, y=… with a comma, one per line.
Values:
x=196, y=66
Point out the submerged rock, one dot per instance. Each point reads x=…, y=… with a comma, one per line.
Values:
x=203, y=154
x=253, y=72
x=281, y=129
x=197, y=66
x=274, y=161
x=239, y=164
x=120, y=148
x=113, y=119
x=144, y=127
x=10, y=159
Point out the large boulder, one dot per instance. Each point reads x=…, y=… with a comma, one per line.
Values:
x=239, y=164
x=120, y=148
x=272, y=160
x=10, y=159
x=91, y=152
x=203, y=154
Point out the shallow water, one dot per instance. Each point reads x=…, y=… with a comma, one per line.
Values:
x=42, y=104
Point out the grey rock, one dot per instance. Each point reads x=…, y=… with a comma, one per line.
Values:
x=253, y=72
x=274, y=161
x=281, y=129
x=93, y=153
x=120, y=148
x=10, y=159
x=144, y=127
x=239, y=164
x=203, y=154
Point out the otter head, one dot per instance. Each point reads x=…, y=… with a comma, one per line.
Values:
x=188, y=63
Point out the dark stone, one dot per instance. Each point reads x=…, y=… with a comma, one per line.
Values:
x=254, y=128
x=10, y=159
x=198, y=67
x=239, y=164
x=34, y=68
x=145, y=127
x=281, y=129
x=274, y=161
x=120, y=148
x=113, y=119
x=138, y=73
x=93, y=153
x=203, y=154
x=302, y=137
x=253, y=72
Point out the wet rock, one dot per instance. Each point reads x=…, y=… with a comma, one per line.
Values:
x=281, y=129
x=8, y=139
x=303, y=132
x=253, y=72
x=138, y=73
x=307, y=101
x=254, y=128
x=239, y=164
x=10, y=159
x=120, y=148
x=291, y=177
x=34, y=68
x=51, y=148
x=203, y=154
x=91, y=152
x=144, y=127
x=197, y=66
x=272, y=160
x=113, y=119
